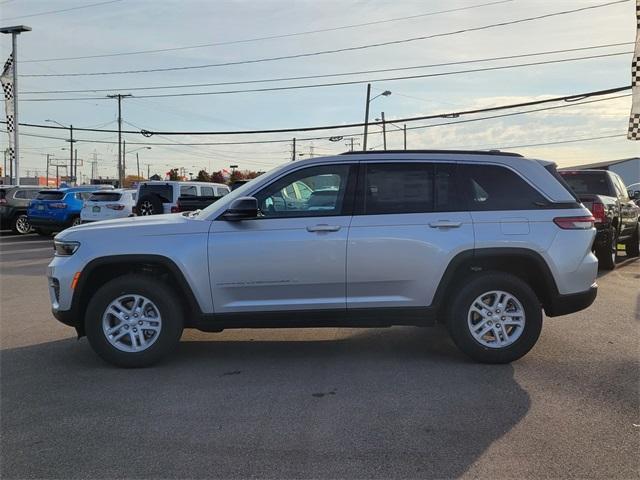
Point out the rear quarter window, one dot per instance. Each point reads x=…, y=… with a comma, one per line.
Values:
x=492, y=187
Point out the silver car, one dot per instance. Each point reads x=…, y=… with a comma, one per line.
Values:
x=483, y=242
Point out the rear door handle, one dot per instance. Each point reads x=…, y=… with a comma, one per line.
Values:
x=445, y=224
x=323, y=228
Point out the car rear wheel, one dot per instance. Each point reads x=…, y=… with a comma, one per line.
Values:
x=21, y=224
x=134, y=321
x=495, y=318
x=607, y=254
x=149, y=205
x=632, y=247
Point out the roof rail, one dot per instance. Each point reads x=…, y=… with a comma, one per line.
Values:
x=458, y=152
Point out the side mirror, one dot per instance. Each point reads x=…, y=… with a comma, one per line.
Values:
x=241, y=208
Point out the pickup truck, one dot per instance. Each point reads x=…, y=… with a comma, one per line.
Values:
x=190, y=203
x=616, y=215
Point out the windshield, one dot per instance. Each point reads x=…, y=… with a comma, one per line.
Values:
x=241, y=191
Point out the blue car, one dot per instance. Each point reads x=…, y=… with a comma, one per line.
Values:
x=55, y=210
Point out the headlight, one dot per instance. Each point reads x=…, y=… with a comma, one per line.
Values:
x=64, y=249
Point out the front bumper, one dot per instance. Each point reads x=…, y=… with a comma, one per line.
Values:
x=570, y=303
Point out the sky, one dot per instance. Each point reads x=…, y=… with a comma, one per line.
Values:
x=75, y=28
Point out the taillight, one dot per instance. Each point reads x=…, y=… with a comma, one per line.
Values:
x=115, y=206
x=175, y=209
x=3, y=201
x=597, y=210
x=58, y=205
x=574, y=223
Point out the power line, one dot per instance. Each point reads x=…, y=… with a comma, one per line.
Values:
x=346, y=49
x=360, y=72
x=336, y=84
x=570, y=99
x=50, y=12
x=573, y=140
x=270, y=37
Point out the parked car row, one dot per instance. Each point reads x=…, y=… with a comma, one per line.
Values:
x=25, y=209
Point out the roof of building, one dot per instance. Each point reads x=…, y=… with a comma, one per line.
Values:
x=606, y=163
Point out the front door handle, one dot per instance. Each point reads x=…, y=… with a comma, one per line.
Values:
x=445, y=224
x=323, y=228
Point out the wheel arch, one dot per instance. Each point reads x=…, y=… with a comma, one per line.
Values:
x=103, y=269
x=526, y=264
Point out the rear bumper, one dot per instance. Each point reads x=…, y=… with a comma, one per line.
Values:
x=51, y=223
x=574, y=302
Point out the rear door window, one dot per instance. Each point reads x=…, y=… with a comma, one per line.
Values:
x=206, y=191
x=492, y=187
x=222, y=191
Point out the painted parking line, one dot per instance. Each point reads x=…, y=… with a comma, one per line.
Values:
x=15, y=252
x=25, y=242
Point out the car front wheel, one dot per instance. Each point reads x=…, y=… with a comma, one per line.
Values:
x=134, y=321
x=495, y=318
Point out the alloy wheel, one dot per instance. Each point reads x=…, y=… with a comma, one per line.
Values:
x=22, y=225
x=496, y=319
x=131, y=323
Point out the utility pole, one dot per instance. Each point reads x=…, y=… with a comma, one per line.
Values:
x=311, y=151
x=384, y=132
x=351, y=144
x=293, y=150
x=47, y=174
x=138, y=164
x=4, y=171
x=74, y=174
x=124, y=162
x=404, y=127
x=366, y=118
x=71, y=142
x=57, y=176
x=148, y=171
x=120, y=96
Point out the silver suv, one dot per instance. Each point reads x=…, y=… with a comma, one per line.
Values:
x=482, y=242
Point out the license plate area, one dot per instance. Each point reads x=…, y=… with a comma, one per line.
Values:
x=95, y=209
x=40, y=207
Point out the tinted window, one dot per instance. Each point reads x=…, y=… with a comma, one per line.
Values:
x=188, y=191
x=164, y=191
x=408, y=188
x=489, y=187
x=105, y=197
x=622, y=191
x=326, y=187
x=222, y=191
x=20, y=194
x=206, y=191
x=50, y=195
x=594, y=183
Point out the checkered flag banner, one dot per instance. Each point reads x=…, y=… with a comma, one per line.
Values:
x=7, y=86
x=634, y=118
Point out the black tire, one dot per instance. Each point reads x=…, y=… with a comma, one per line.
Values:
x=20, y=224
x=607, y=254
x=168, y=306
x=632, y=247
x=461, y=303
x=150, y=204
x=43, y=232
x=75, y=221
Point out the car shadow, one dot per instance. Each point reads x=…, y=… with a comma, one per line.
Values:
x=376, y=403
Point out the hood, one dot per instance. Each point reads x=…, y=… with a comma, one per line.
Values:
x=167, y=224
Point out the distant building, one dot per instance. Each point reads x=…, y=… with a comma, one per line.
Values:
x=627, y=168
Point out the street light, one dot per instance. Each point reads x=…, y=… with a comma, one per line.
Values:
x=71, y=142
x=124, y=160
x=15, y=31
x=386, y=93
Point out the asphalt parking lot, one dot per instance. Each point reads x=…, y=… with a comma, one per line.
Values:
x=319, y=403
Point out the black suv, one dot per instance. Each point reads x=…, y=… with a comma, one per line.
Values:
x=14, y=201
